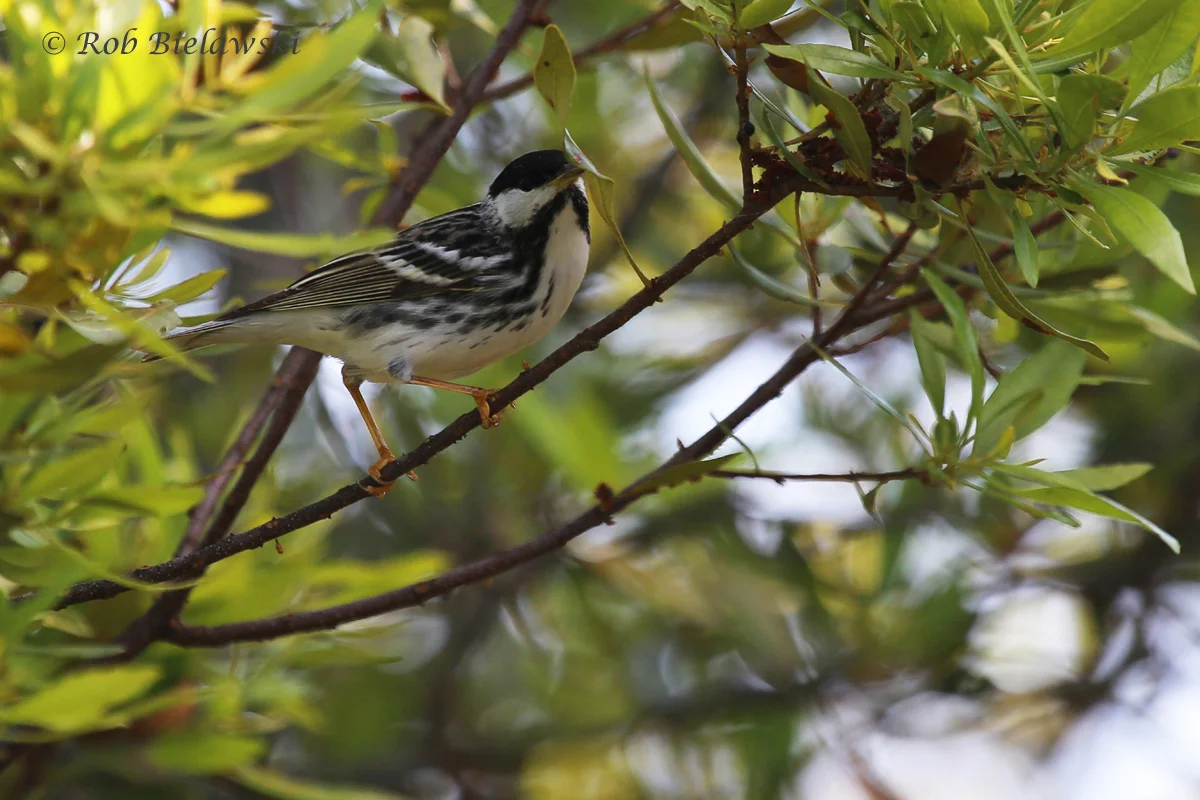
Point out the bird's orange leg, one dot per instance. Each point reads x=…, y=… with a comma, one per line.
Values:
x=480, y=396
x=385, y=452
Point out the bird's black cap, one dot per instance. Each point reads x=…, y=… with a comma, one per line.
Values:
x=530, y=171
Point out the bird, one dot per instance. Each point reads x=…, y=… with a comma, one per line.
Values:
x=446, y=297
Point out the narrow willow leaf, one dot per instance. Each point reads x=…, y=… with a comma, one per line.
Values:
x=931, y=361
x=1144, y=226
x=688, y=151
x=1052, y=373
x=760, y=12
x=1157, y=48
x=838, y=60
x=1108, y=23
x=285, y=244
x=602, y=190
x=268, y=783
x=965, y=340
x=228, y=205
x=1183, y=182
x=189, y=289
x=554, y=73
x=1106, y=477
x=1163, y=329
x=1084, y=500
x=1007, y=302
x=202, y=753
x=680, y=473
x=700, y=169
x=849, y=128
x=884, y=405
x=1164, y=119
x=1025, y=249
x=771, y=286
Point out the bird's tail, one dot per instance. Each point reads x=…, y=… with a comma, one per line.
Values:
x=215, y=332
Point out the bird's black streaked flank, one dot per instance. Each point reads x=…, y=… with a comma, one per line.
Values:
x=445, y=298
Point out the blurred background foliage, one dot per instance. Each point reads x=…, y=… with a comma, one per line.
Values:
x=959, y=631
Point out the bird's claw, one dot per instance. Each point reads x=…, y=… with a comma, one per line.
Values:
x=486, y=417
x=376, y=473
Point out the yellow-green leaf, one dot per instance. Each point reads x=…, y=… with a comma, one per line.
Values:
x=1007, y=302
x=1144, y=226
x=838, y=60
x=81, y=701
x=760, y=12
x=421, y=65
x=602, y=189
x=1164, y=119
x=295, y=245
x=1108, y=23
x=554, y=73
x=227, y=205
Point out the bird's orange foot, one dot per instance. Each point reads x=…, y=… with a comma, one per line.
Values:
x=486, y=417
x=377, y=475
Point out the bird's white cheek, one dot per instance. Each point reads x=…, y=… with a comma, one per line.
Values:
x=517, y=208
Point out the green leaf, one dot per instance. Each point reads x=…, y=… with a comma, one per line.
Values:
x=1164, y=119
x=933, y=364
x=1053, y=373
x=770, y=285
x=419, y=61
x=964, y=336
x=1182, y=182
x=38, y=375
x=1080, y=99
x=320, y=59
x=969, y=22
x=268, y=783
x=286, y=244
x=838, y=60
x=680, y=473
x=190, y=289
x=554, y=73
x=848, y=128
x=1108, y=23
x=1157, y=48
x=1025, y=248
x=760, y=12
x=1106, y=477
x=1162, y=328
x=602, y=190
x=688, y=151
x=161, y=501
x=1084, y=500
x=82, y=701
x=67, y=475
x=203, y=753
x=1144, y=226
x=1007, y=302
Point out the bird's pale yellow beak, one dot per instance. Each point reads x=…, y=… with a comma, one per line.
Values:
x=567, y=178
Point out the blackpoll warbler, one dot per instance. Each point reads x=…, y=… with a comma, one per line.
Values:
x=445, y=298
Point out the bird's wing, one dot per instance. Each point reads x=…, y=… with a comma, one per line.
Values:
x=411, y=265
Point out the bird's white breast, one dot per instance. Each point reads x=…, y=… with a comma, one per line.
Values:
x=445, y=352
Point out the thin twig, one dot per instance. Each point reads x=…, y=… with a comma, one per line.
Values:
x=745, y=128
x=822, y=477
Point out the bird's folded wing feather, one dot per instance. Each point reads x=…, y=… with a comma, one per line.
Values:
x=410, y=266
